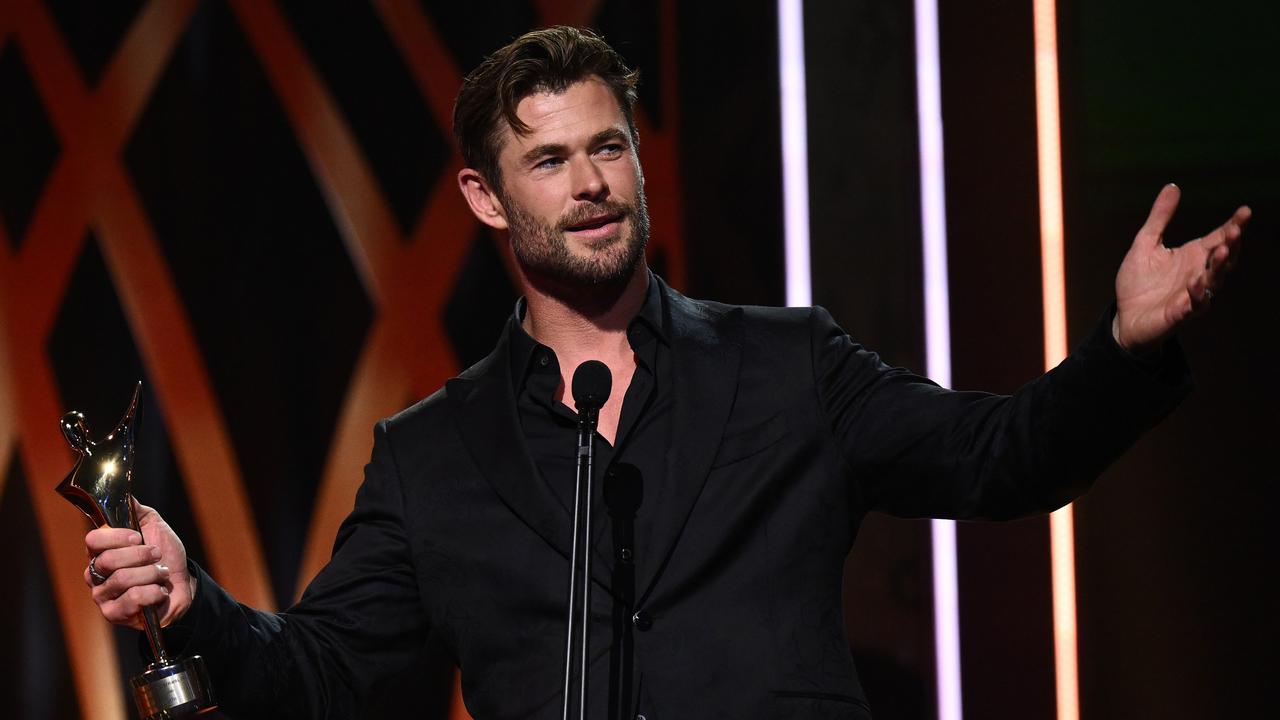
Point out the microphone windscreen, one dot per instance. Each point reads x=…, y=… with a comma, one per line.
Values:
x=592, y=382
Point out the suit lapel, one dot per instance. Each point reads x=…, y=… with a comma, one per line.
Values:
x=484, y=404
x=706, y=351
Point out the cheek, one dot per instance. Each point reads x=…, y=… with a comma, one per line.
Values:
x=546, y=199
x=624, y=178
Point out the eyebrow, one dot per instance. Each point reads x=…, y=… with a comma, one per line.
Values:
x=562, y=149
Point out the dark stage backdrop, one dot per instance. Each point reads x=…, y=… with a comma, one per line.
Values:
x=250, y=206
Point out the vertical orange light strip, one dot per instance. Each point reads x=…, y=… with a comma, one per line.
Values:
x=1061, y=525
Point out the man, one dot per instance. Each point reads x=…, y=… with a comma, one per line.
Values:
x=740, y=448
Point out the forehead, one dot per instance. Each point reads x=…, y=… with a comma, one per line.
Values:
x=579, y=112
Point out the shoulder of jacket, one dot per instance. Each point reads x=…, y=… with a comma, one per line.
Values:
x=758, y=314
x=429, y=413
x=434, y=410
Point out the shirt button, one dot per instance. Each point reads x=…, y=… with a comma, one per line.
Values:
x=642, y=620
x=543, y=360
x=625, y=555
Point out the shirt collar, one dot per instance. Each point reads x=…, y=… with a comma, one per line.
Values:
x=652, y=313
x=524, y=348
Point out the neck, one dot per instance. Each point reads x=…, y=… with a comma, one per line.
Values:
x=583, y=322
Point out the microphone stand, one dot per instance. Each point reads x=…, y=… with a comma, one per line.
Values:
x=591, y=386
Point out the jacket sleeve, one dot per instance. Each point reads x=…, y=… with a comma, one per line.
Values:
x=359, y=619
x=914, y=449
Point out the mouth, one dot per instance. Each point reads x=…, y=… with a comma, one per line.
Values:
x=597, y=225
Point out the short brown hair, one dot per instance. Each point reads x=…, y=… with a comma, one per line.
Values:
x=546, y=60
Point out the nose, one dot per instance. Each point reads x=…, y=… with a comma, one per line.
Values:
x=589, y=183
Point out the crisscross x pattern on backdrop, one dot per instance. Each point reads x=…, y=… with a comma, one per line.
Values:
x=407, y=277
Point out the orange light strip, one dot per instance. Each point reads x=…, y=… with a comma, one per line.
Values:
x=1061, y=525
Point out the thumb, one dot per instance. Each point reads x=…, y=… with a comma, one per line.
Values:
x=143, y=513
x=1161, y=211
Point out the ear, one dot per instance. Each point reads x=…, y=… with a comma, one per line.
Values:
x=482, y=199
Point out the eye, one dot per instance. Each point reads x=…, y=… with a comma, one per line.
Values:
x=547, y=163
x=612, y=149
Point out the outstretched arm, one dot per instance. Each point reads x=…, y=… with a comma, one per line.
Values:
x=1158, y=287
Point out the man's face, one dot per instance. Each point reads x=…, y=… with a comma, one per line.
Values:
x=572, y=189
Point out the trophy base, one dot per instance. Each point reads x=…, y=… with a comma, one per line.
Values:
x=175, y=689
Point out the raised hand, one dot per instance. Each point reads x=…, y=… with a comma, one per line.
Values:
x=139, y=574
x=1158, y=288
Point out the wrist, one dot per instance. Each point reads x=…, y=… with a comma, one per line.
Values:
x=1145, y=352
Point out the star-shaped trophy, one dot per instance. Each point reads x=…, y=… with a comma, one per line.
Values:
x=98, y=485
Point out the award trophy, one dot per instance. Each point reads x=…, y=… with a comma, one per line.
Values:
x=98, y=485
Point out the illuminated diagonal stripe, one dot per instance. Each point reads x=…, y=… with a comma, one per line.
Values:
x=407, y=348
x=92, y=127
x=90, y=646
x=25, y=310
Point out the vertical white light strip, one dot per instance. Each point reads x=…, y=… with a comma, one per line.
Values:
x=795, y=164
x=937, y=320
x=795, y=151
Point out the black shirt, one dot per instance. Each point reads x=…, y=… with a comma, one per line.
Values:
x=632, y=468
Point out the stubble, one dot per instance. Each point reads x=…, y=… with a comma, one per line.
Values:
x=542, y=248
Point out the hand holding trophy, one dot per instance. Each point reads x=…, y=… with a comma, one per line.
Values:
x=99, y=485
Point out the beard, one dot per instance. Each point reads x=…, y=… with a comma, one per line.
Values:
x=542, y=250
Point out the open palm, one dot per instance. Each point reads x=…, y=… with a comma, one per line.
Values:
x=1157, y=287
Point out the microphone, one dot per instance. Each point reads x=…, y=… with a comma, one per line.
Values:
x=592, y=383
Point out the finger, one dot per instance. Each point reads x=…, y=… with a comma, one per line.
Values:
x=1241, y=215
x=1233, y=228
x=1216, y=266
x=1161, y=211
x=1221, y=247
x=1229, y=234
x=1200, y=294
x=124, y=609
x=125, y=578
x=110, y=561
x=102, y=539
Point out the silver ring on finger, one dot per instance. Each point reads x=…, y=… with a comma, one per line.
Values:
x=98, y=578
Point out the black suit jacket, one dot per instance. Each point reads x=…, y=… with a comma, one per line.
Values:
x=786, y=433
